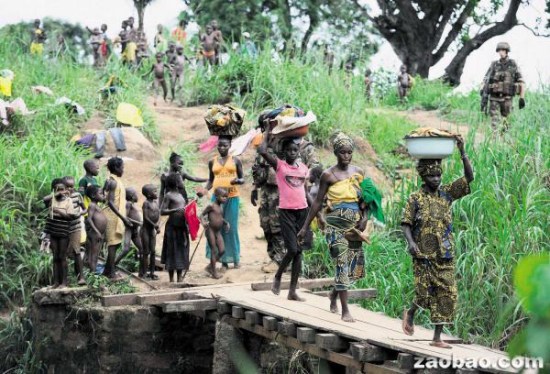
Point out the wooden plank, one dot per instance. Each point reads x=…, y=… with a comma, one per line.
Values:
x=224, y=308
x=366, y=293
x=331, y=342
x=302, y=283
x=371, y=327
x=237, y=312
x=286, y=328
x=119, y=300
x=269, y=323
x=266, y=286
x=252, y=318
x=343, y=359
x=305, y=335
x=405, y=361
x=189, y=305
x=366, y=352
x=385, y=368
x=158, y=298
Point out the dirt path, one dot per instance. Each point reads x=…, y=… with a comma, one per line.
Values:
x=186, y=125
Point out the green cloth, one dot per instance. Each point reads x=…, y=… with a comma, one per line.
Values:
x=373, y=198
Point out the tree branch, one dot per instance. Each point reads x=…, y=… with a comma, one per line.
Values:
x=533, y=31
x=455, y=30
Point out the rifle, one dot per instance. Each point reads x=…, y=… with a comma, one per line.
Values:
x=485, y=90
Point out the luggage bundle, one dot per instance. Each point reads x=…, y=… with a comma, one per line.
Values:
x=224, y=120
x=290, y=121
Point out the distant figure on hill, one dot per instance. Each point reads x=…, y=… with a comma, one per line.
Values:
x=404, y=83
x=95, y=42
x=368, y=84
x=179, y=34
x=209, y=44
x=249, y=48
x=176, y=74
x=219, y=38
x=159, y=42
x=38, y=38
x=159, y=80
x=427, y=226
x=502, y=82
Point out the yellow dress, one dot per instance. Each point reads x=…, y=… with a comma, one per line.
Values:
x=115, y=227
x=345, y=191
x=224, y=174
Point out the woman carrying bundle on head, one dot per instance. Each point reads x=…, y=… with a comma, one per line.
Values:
x=227, y=172
x=291, y=175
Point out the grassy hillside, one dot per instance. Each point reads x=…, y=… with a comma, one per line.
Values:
x=33, y=150
x=505, y=217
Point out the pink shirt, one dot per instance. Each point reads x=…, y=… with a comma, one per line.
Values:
x=291, y=180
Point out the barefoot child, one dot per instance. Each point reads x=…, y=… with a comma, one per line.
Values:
x=404, y=83
x=61, y=222
x=213, y=222
x=209, y=44
x=176, y=75
x=175, y=248
x=96, y=224
x=77, y=241
x=291, y=177
x=149, y=231
x=115, y=212
x=159, y=79
x=131, y=234
x=427, y=226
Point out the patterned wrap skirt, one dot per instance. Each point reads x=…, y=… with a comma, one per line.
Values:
x=348, y=256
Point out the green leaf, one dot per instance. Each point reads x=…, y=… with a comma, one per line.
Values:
x=531, y=279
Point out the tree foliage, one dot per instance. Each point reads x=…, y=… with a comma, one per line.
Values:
x=293, y=23
x=74, y=35
x=422, y=31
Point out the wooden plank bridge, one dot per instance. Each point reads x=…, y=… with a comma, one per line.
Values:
x=374, y=343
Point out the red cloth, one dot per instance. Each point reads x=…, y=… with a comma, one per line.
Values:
x=192, y=220
x=209, y=145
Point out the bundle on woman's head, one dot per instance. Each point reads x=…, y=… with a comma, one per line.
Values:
x=286, y=110
x=429, y=167
x=340, y=140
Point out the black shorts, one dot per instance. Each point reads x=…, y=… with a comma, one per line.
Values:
x=291, y=221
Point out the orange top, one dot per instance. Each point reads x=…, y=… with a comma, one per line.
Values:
x=179, y=34
x=224, y=174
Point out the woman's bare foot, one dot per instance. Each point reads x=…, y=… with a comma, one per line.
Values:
x=440, y=344
x=406, y=324
x=276, y=287
x=237, y=266
x=346, y=317
x=333, y=296
x=294, y=296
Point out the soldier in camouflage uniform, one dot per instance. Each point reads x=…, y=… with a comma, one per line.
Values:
x=427, y=225
x=503, y=81
x=264, y=179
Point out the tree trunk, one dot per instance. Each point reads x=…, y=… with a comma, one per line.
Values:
x=454, y=70
x=141, y=12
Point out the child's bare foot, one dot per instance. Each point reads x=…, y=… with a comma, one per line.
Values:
x=346, y=317
x=276, y=287
x=55, y=285
x=406, y=324
x=179, y=279
x=294, y=296
x=81, y=281
x=440, y=344
x=63, y=285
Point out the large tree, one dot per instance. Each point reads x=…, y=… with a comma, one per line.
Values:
x=422, y=31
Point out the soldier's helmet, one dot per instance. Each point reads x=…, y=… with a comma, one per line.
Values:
x=503, y=46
